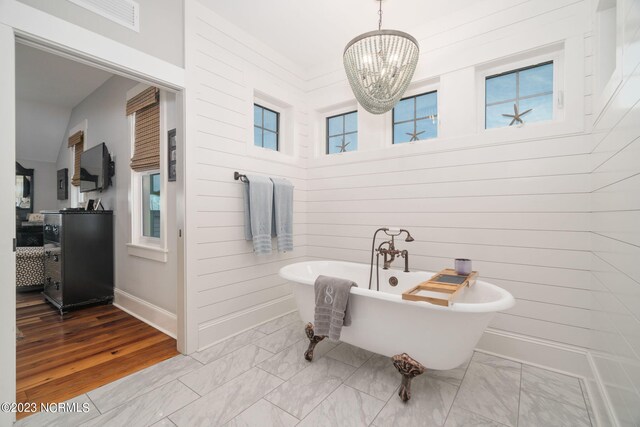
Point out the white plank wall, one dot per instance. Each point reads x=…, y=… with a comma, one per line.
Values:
x=615, y=201
x=515, y=201
x=232, y=288
x=550, y=212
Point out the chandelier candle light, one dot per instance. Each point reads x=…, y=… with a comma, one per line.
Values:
x=379, y=65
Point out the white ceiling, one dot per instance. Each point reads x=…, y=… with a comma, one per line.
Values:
x=314, y=33
x=47, y=89
x=40, y=129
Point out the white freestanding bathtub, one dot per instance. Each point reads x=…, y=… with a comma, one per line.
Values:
x=382, y=322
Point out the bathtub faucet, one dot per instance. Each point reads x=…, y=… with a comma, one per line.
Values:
x=405, y=254
x=389, y=252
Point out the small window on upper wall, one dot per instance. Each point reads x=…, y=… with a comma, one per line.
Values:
x=416, y=118
x=266, y=127
x=519, y=96
x=342, y=133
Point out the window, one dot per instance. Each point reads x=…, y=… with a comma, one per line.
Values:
x=519, y=96
x=416, y=118
x=266, y=125
x=76, y=141
x=148, y=111
x=151, y=205
x=342, y=133
x=143, y=109
x=608, y=41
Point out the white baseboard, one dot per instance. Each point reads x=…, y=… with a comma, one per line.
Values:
x=159, y=318
x=220, y=329
x=565, y=359
x=550, y=355
x=600, y=398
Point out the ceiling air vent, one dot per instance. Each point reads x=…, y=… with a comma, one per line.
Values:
x=124, y=12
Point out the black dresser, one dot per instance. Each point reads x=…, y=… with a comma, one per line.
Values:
x=78, y=258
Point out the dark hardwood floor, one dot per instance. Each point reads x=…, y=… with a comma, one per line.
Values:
x=59, y=358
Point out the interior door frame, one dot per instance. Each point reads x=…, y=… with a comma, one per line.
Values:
x=7, y=216
x=22, y=24
x=180, y=190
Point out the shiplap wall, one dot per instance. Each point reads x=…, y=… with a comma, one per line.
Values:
x=232, y=288
x=615, y=221
x=515, y=201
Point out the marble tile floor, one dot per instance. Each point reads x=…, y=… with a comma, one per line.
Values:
x=260, y=378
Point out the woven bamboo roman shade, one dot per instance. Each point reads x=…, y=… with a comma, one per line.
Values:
x=146, y=150
x=77, y=142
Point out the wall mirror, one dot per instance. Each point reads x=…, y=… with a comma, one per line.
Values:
x=24, y=192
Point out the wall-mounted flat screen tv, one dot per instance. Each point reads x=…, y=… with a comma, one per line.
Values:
x=95, y=169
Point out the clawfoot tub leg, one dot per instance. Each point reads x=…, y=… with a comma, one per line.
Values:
x=313, y=341
x=409, y=369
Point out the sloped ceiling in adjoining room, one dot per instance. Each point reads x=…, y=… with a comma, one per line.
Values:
x=314, y=33
x=47, y=89
x=39, y=130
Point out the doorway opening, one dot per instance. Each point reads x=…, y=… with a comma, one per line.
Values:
x=74, y=334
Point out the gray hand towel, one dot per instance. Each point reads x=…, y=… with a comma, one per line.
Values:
x=258, y=211
x=283, y=213
x=332, y=306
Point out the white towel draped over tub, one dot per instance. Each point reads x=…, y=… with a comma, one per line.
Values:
x=268, y=212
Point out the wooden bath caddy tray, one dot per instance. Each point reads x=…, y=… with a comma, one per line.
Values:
x=446, y=283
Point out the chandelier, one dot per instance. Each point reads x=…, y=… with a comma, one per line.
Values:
x=379, y=65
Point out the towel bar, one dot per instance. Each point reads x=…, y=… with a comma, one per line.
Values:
x=238, y=176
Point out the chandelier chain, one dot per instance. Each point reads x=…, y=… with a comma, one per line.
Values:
x=380, y=16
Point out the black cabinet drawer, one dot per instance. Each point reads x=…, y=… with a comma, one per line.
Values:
x=53, y=289
x=52, y=261
x=53, y=271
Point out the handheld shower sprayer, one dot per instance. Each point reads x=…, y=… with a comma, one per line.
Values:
x=409, y=237
x=395, y=232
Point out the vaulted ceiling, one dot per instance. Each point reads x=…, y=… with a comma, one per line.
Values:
x=313, y=33
x=47, y=89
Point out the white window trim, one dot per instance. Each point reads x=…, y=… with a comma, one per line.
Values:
x=322, y=149
x=604, y=93
x=279, y=128
x=418, y=88
x=142, y=246
x=286, y=148
x=318, y=126
x=555, y=55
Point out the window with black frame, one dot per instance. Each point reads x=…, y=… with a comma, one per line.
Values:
x=519, y=96
x=266, y=127
x=416, y=118
x=342, y=133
